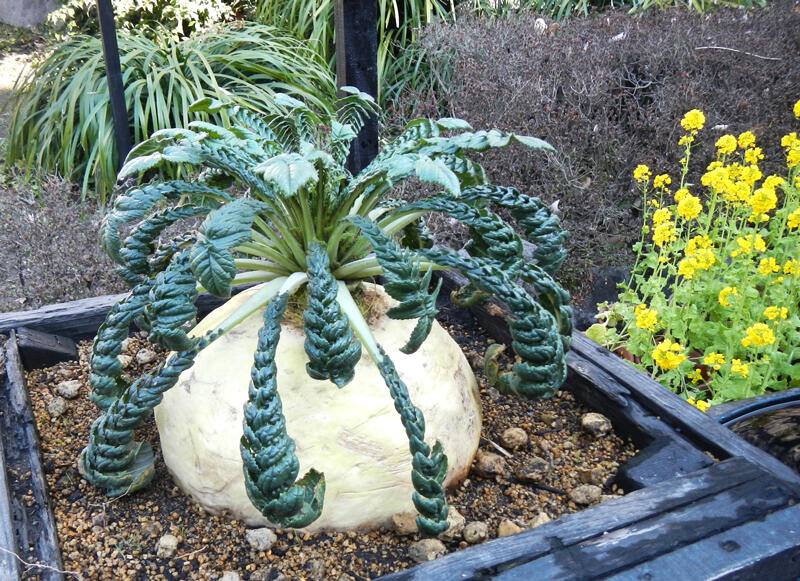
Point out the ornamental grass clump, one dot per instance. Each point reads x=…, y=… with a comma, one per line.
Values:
x=297, y=219
x=712, y=308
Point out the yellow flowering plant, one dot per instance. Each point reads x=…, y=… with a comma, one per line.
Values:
x=712, y=308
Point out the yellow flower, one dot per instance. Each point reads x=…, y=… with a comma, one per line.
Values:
x=700, y=404
x=680, y=194
x=686, y=268
x=772, y=312
x=685, y=140
x=696, y=243
x=646, y=318
x=714, y=359
x=772, y=182
x=792, y=145
x=758, y=335
x=723, y=295
x=753, y=155
x=664, y=233
x=759, y=244
x=796, y=109
x=641, y=174
x=689, y=207
x=693, y=121
x=768, y=266
x=746, y=139
x=704, y=259
x=696, y=376
x=738, y=367
x=726, y=145
x=763, y=200
x=667, y=355
x=661, y=215
x=661, y=181
x=791, y=266
x=793, y=219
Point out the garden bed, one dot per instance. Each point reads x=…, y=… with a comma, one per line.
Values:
x=737, y=474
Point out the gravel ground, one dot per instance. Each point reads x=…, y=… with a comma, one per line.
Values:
x=103, y=538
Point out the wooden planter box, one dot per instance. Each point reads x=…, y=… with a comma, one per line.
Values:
x=705, y=503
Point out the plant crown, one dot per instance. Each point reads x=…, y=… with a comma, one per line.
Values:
x=711, y=308
x=299, y=219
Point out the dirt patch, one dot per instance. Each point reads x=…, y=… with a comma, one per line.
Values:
x=106, y=538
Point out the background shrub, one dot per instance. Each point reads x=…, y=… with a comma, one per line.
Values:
x=608, y=92
x=60, y=115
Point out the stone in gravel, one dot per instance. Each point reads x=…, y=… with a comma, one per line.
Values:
x=507, y=528
x=126, y=344
x=594, y=476
x=230, y=576
x=151, y=528
x=539, y=520
x=475, y=532
x=404, y=523
x=426, y=550
x=145, y=356
x=56, y=407
x=586, y=494
x=261, y=539
x=514, y=438
x=456, y=521
x=534, y=470
x=316, y=569
x=125, y=360
x=68, y=389
x=595, y=424
x=166, y=546
x=270, y=574
x=99, y=520
x=488, y=464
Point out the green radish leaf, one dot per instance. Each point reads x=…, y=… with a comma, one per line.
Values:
x=289, y=172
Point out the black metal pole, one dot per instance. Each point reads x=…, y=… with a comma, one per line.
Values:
x=116, y=91
x=357, y=46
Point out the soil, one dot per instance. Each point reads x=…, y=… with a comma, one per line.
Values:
x=103, y=538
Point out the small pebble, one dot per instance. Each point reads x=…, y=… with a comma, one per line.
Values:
x=475, y=532
x=152, y=528
x=595, y=424
x=514, y=438
x=261, y=539
x=586, y=494
x=316, y=569
x=404, y=523
x=230, y=576
x=507, y=528
x=68, y=389
x=535, y=470
x=125, y=360
x=56, y=407
x=456, y=522
x=426, y=550
x=99, y=520
x=145, y=356
x=270, y=574
x=488, y=464
x=166, y=546
x=538, y=520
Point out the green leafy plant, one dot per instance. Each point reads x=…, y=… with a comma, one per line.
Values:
x=711, y=310
x=181, y=17
x=302, y=220
x=60, y=114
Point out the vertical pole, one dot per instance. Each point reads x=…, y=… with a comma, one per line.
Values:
x=357, y=66
x=116, y=91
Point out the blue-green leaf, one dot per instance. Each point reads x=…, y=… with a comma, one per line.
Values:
x=289, y=172
x=434, y=171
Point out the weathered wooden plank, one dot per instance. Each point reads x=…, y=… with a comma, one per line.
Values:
x=9, y=565
x=39, y=349
x=702, y=430
x=767, y=548
x=33, y=523
x=655, y=536
x=489, y=558
x=81, y=319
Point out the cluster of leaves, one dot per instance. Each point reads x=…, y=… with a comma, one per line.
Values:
x=181, y=17
x=60, y=112
x=711, y=310
x=300, y=219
